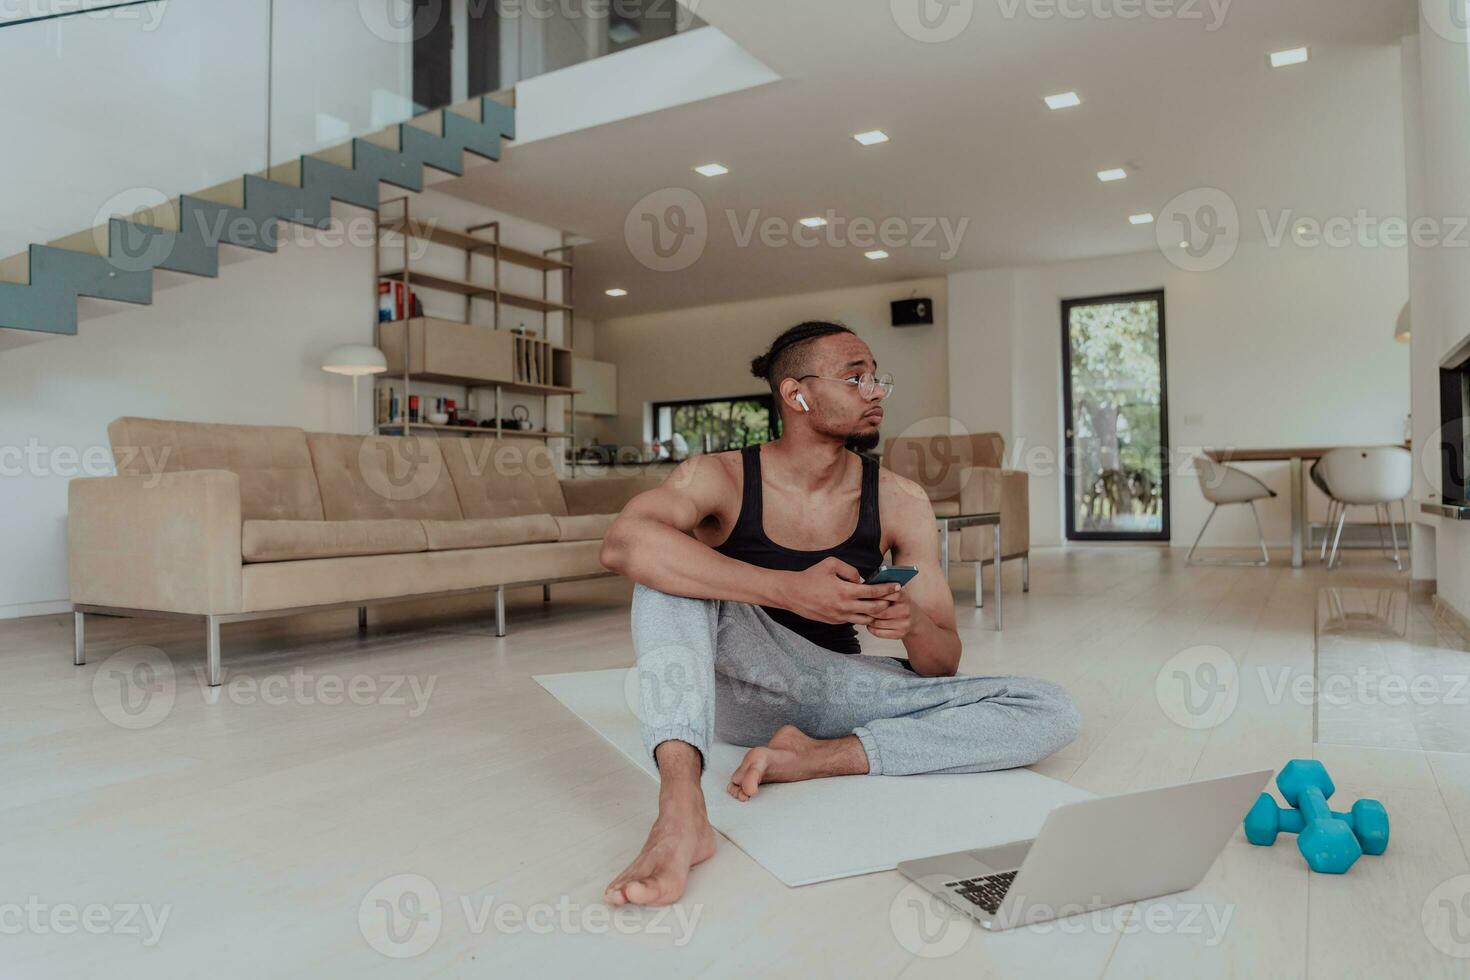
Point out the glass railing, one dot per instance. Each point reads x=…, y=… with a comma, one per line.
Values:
x=115, y=107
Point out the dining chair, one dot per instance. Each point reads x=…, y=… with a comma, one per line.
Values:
x=1363, y=476
x=1224, y=485
x=1320, y=482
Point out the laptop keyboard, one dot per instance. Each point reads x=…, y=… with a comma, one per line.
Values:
x=986, y=892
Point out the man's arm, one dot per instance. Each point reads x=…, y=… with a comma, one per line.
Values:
x=922, y=613
x=652, y=542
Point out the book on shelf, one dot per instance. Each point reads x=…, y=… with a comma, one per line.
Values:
x=397, y=302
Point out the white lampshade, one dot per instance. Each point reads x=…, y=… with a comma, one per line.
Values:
x=355, y=360
x=1401, y=328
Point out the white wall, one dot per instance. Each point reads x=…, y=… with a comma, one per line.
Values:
x=243, y=348
x=1441, y=297
x=705, y=352
x=1282, y=346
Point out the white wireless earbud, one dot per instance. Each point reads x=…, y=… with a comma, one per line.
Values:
x=801, y=400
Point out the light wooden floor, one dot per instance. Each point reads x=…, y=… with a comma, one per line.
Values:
x=263, y=821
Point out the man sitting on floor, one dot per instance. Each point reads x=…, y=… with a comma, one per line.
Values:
x=749, y=570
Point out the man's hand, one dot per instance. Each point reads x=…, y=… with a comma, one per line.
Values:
x=895, y=622
x=832, y=591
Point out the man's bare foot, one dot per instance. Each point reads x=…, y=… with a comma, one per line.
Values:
x=791, y=756
x=681, y=838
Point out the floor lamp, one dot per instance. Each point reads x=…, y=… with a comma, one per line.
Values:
x=354, y=360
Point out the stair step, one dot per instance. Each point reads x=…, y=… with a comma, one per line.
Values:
x=40, y=289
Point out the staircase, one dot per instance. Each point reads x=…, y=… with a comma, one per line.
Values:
x=40, y=288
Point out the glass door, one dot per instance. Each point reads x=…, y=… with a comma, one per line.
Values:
x=1115, y=413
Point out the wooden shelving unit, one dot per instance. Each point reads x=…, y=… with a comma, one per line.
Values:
x=467, y=355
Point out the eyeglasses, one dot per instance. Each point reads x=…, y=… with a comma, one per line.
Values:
x=867, y=384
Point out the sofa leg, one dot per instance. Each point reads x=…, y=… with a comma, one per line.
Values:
x=546, y=592
x=211, y=628
x=79, y=641
x=500, y=610
x=979, y=587
x=362, y=617
x=1025, y=573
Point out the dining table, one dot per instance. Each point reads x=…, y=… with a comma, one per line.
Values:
x=1293, y=455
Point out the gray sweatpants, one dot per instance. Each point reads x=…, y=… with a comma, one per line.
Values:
x=709, y=667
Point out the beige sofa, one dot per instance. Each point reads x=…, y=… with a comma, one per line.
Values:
x=223, y=523
x=963, y=474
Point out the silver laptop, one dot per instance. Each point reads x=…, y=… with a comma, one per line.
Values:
x=1095, y=854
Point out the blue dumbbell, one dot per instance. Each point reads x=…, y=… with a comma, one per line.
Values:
x=1330, y=842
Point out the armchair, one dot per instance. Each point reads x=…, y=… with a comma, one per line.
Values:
x=962, y=474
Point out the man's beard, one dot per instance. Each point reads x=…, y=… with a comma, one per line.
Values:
x=863, y=442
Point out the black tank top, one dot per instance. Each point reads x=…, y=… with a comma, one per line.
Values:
x=863, y=550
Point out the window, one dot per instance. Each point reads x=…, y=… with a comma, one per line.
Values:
x=712, y=425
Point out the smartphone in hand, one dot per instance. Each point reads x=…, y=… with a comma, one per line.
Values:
x=891, y=573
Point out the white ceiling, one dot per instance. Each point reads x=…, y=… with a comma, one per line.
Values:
x=1179, y=105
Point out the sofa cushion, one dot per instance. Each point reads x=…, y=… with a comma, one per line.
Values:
x=294, y=540
x=277, y=480
x=946, y=508
x=382, y=477
x=289, y=584
x=489, y=532
x=502, y=477
x=584, y=527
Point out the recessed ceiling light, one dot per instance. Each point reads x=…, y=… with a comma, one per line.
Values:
x=1140, y=219
x=1291, y=56
x=617, y=292
x=876, y=254
x=711, y=169
x=814, y=222
x=871, y=137
x=1063, y=100
x=1108, y=176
